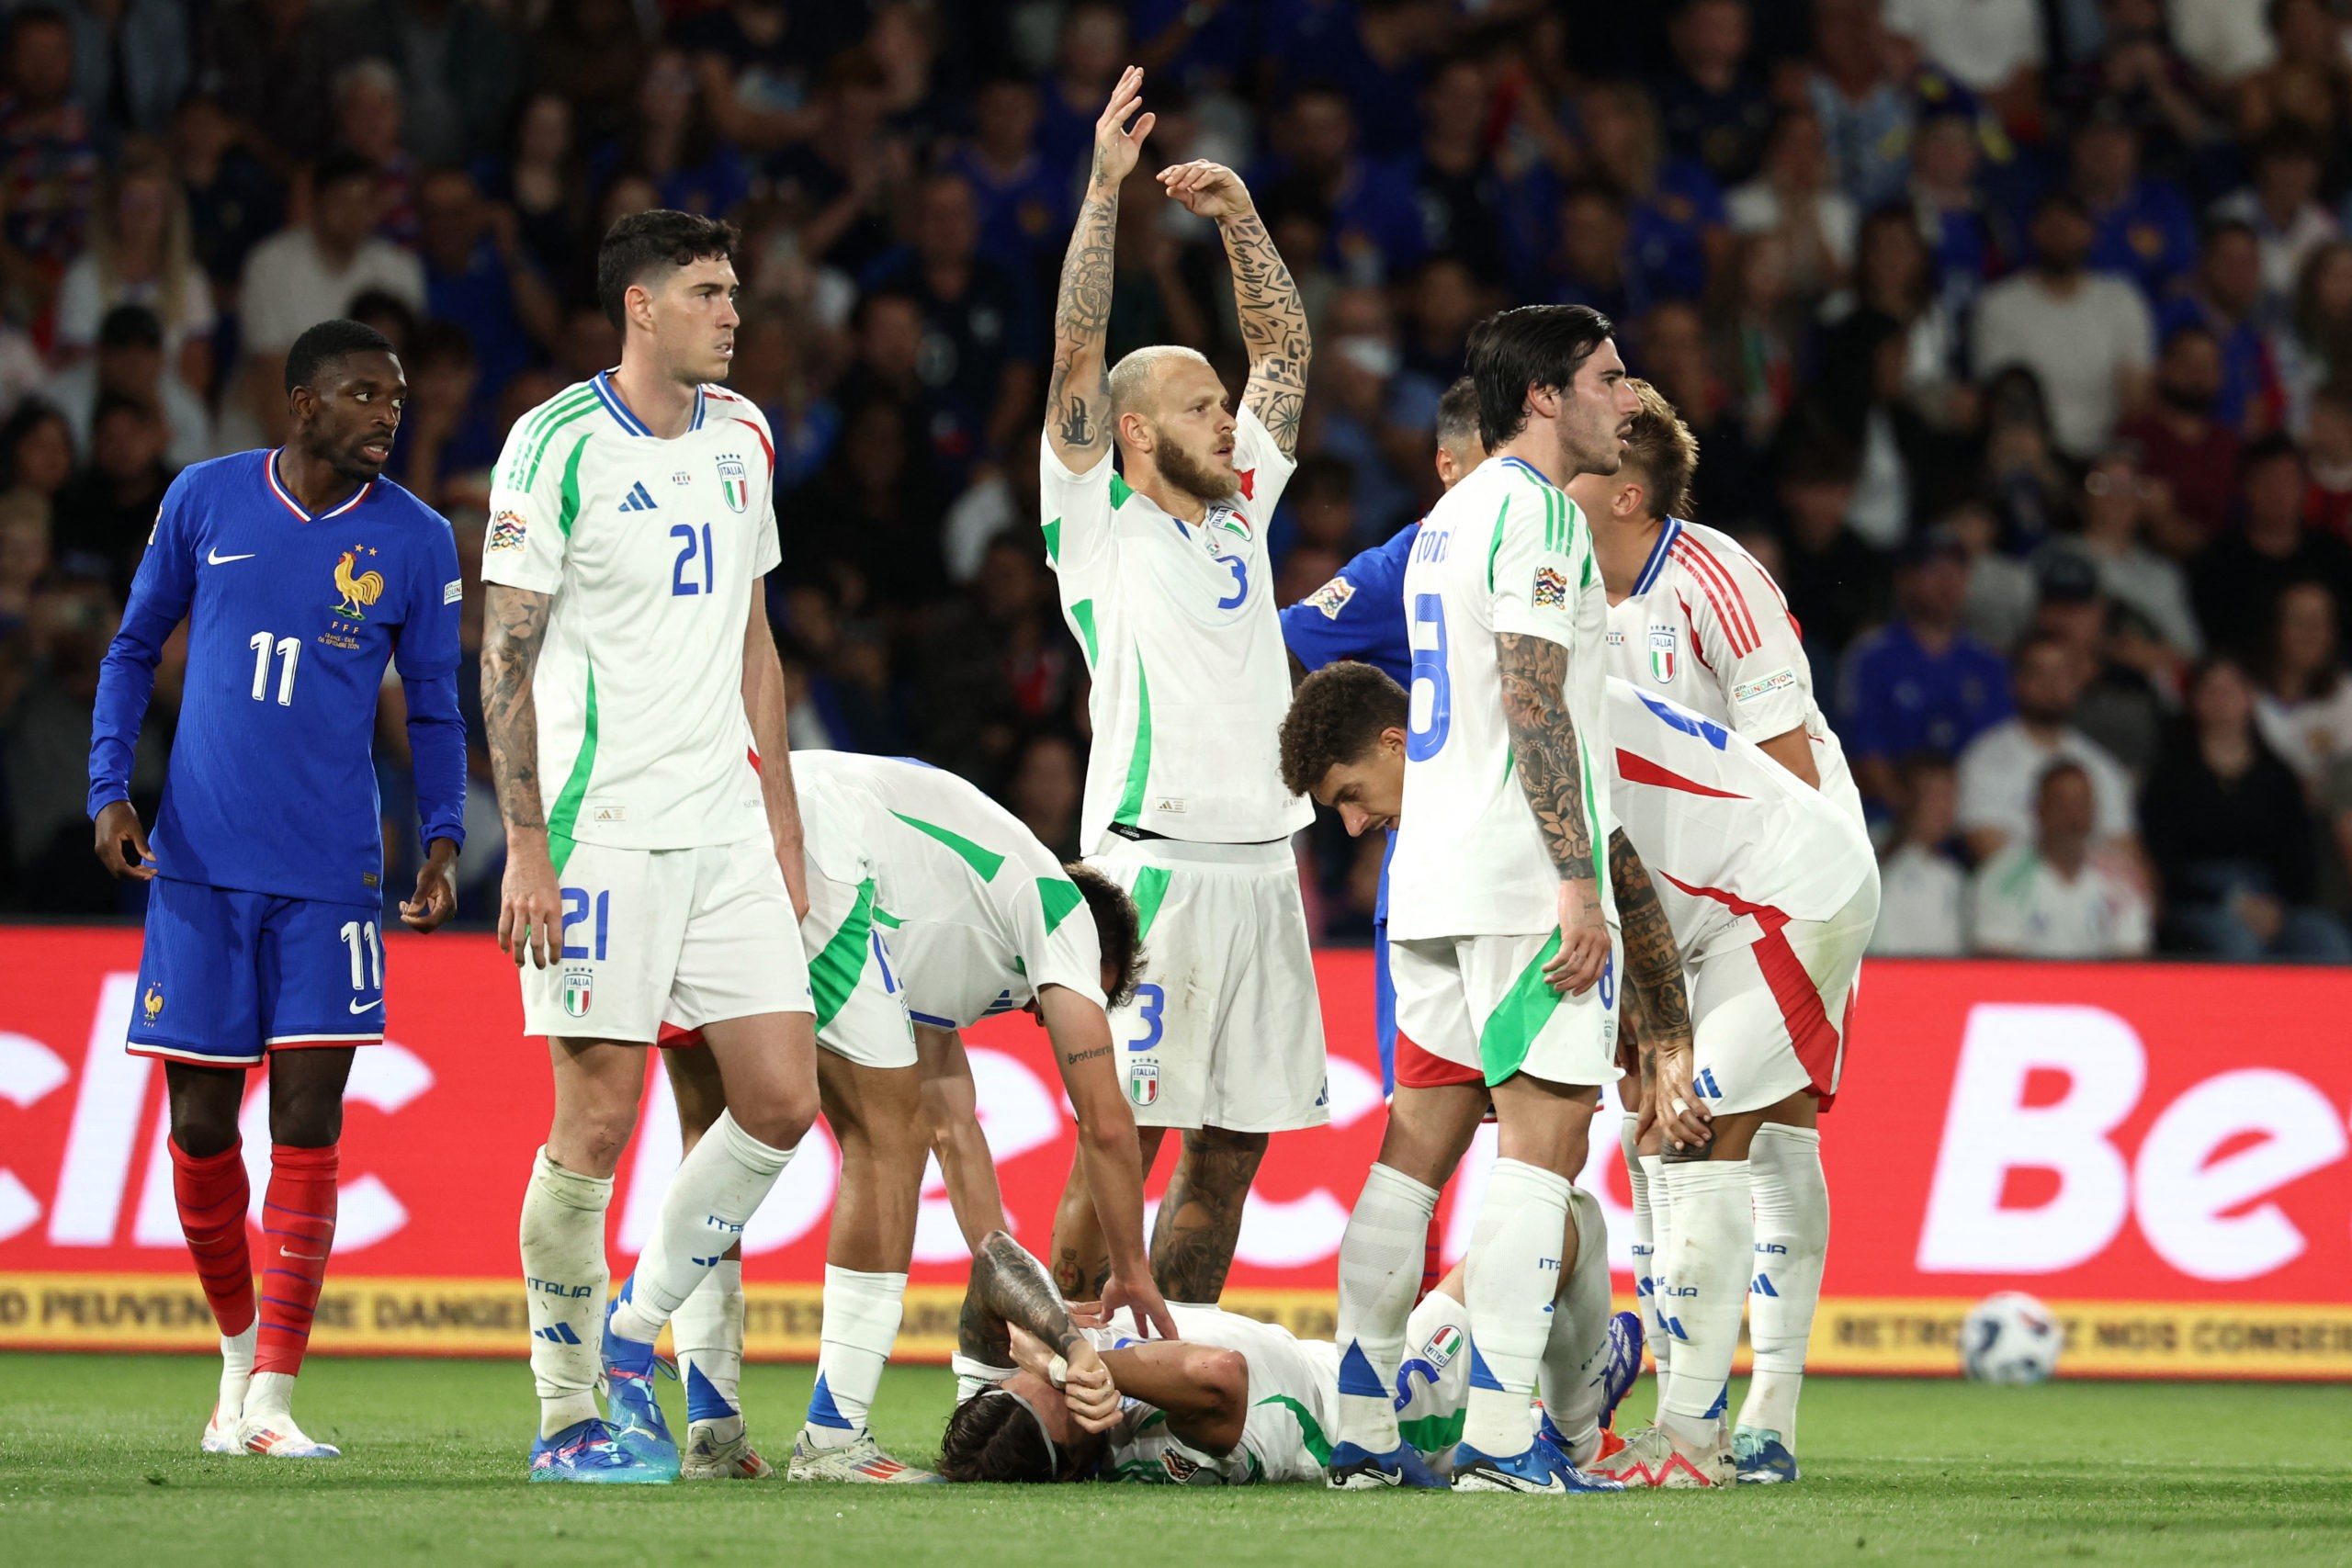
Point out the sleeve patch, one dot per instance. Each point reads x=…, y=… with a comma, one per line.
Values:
x=1551, y=589
x=507, y=531
x=453, y=591
x=1780, y=680
x=1332, y=597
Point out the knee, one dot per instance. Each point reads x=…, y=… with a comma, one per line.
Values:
x=595, y=1137
x=204, y=1131
x=779, y=1120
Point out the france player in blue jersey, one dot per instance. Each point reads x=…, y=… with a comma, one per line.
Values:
x=1360, y=614
x=300, y=573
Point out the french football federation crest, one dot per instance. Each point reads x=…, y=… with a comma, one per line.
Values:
x=358, y=588
x=153, y=1002
x=579, y=990
x=1662, y=645
x=732, y=484
x=1143, y=1083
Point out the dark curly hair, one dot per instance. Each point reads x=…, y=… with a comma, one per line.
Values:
x=992, y=1436
x=1116, y=926
x=637, y=245
x=1336, y=715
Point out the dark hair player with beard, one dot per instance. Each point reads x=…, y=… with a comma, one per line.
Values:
x=300, y=573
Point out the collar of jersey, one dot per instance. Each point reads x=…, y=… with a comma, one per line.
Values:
x=1532, y=472
x=610, y=396
x=278, y=488
x=1657, y=563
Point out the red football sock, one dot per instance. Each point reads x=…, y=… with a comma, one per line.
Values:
x=298, y=1231
x=213, y=1197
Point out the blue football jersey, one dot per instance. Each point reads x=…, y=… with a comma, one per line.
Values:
x=292, y=618
x=1359, y=613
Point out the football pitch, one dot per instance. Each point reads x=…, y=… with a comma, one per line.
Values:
x=98, y=1465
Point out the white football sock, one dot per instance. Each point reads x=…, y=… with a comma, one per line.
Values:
x=1656, y=1203
x=1380, y=1256
x=718, y=1189
x=1791, y=1244
x=236, y=1371
x=862, y=1313
x=706, y=1331
x=1573, y=1377
x=1514, y=1275
x=565, y=1278
x=1707, y=1281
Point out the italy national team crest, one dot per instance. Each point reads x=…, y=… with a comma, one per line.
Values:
x=578, y=990
x=1444, y=1346
x=1143, y=1083
x=1662, y=642
x=732, y=484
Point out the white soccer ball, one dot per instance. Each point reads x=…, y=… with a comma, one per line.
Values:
x=2010, y=1337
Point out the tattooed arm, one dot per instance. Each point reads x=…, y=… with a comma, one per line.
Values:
x=1109, y=1156
x=1077, y=391
x=530, y=908
x=1552, y=773
x=1654, y=989
x=1014, y=1316
x=1265, y=297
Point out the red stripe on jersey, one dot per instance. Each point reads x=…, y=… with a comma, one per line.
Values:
x=1690, y=623
x=1635, y=768
x=1247, y=478
x=1737, y=624
x=764, y=446
x=1714, y=601
x=1815, y=1037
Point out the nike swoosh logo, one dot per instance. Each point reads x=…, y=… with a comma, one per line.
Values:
x=367, y=1006
x=305, y=1256
x=217, y=558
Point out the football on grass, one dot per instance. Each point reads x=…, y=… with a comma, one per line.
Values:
x=2010, y=1337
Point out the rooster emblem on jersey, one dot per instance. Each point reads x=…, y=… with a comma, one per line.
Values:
x=357, y=588
x=153, y=1001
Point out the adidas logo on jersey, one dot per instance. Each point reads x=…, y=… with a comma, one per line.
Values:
x=637, y=499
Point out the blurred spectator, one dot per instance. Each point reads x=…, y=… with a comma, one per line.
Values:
x=298, y=277
x=2226, y=40
x=2282, y=207
x=1091, y=54
x=1968, y=238
x=392, y=316
x=2045, y=895
x=2032, y=485
x=1796, y=196
x=593, y=52
x=106, y=511
x=998, y=663
x=2086, y=336
x=2239, y=578
x=2142, y=78
x=36, y=450
x=24, y=558
x=2144, y=228
x=2327, y=455
x=1378, y=57
x=2182, y=446
x=1993, y=48
x=2303, y=704
x=1866, y=113
x=841, y=182
x=1588, y=265
x=2302, y=85
x=369, y=117
x=1468, y=209
x=758, y=64
x=1999, y=768
x=1440, y=308
x=2231, y=836
x=673, y=140
x=543, y=182
x=1907, y=467
x=1669, y=347
x=1713, y=107
x=2119, y=503
x=1024, y=207
x=1358, y=422
x=1759, y=335
x=2313, y=345
x=439, y=434
x=1836, y=584
x=140, y=254
x=478, y=277
x=131, y=61
x=129, y=364
x=1375, y=222
x=771, y=369
x=1919, y=681
x=2224, y=296
x=233, y=202
x=1676, y=233
x=270, y=60
x=1002, y=502
x=1923, y=894
x=457, y=66
x=1895, y=276
x=1999, y=608
x=48, y=163
x=1048, y=782
x=878, y=499
x=2123, y=666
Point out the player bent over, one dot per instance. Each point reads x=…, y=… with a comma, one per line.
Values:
x=930, y=908
x=652, y=871
x=1769, y=891
x=1236, y=1401
x=300, y=573
x=1166, y=585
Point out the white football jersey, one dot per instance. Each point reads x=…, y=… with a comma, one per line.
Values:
x=1504, y=551
x=1724, y=831
x=650, y=551
x=1707, y=625
x=1294, y=1406
x=1178, y=625
x=981, y=913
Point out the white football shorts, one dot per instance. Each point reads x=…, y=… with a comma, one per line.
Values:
x=854, y=979
x=1477, y=1007
x=1770, y=1016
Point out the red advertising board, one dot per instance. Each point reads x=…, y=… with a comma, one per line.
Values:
x=2160, y=1152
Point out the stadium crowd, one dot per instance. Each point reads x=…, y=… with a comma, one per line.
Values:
x=2016, y=336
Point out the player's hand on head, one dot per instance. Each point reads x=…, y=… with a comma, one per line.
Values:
x=118, y=822
x=1143, y=1302
x=1584, y=938
x=1117, y=144
x=1207, y=190
x=1093, y=1396
x=530, y=907
x=1682, y=1119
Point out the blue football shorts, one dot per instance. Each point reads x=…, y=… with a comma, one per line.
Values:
x=227, y=976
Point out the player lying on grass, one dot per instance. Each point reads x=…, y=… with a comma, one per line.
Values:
x=1770, y=890
x=1695, y=618
x=301, y=573
x=1050, y=1393
x=930, y=907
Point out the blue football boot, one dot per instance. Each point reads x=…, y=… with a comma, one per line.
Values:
x=586, y=1452
x=1761, y=1459
x=1543, y=1468
x=637, y=1424
x=1354, y=1470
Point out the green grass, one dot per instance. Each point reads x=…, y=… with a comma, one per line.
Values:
x=98, y=1465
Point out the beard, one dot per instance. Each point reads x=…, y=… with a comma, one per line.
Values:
x=1201, y=481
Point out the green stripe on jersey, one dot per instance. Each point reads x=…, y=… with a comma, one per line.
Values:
x=1150, y=891
x=565, y=814
x=985, y=861
x=1495, y=546
x=1053, y=532
x=1139, y=760
x=1310, y=1430
x=1511, y=1030
x=571, y=511
x=833, y=972
x=1120, y=490
x=1083, y=614
x=524, y=470
x=1060, y=897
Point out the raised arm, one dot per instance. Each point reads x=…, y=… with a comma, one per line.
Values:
x=1656, y=998
x=530, y=908
x=1553, y=776
x=1078, y=392
x=1265, y=296
x=764, y=704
